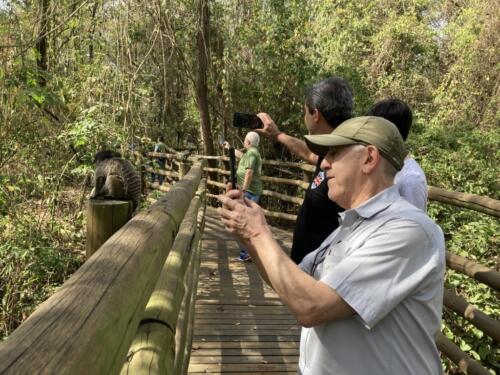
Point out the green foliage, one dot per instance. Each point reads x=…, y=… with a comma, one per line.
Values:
x=32, y=264
x=127, y=72
x=468, y=91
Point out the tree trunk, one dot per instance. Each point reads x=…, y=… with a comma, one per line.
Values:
x=92, y=31
x=201, y=76
x=41, y=43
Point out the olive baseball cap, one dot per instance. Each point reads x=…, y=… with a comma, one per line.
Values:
x=365, y=130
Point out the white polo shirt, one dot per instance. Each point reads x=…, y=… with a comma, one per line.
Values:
x=387, y=261
x=412, y=184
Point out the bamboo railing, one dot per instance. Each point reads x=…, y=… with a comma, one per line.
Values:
x=451, y=300
x=125, y=293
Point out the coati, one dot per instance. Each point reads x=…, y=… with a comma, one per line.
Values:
x=115, y=178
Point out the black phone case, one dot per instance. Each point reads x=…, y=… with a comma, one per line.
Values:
x=246, y=120
x=232, y=167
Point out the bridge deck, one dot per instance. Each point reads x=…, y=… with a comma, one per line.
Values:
x=241, y=326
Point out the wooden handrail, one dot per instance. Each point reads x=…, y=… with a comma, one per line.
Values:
x=474, y=202
x=162, y=172
x=265, y=193
x=303, y=166
x=475, y=270
x=278, y=215
x=470, y=312
x=464, y=362
x=280, y=180
x=186, y=319
x=155, y=339
x=86, y=327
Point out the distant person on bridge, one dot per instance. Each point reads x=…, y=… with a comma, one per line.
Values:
x=248, y=175
x=411, y=180
x=370, y=298
x=160, y=146
x=327, y=104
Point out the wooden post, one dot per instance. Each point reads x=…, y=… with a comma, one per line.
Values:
x=143, y=179
x=104, y=218
x=183, y=169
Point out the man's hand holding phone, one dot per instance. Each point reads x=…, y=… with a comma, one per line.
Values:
x=269, y=127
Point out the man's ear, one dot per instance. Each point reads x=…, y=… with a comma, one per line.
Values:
x=317, y=116
x=372, y=159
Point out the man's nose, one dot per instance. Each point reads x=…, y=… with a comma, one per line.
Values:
x=325, y=164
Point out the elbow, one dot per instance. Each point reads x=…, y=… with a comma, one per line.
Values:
x=305, y=322
x=307, y=316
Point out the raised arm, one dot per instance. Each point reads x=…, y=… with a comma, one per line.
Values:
x=237, y=153
x=294, y=145
x=311, y=301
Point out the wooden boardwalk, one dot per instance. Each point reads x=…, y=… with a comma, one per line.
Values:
x=241, y=327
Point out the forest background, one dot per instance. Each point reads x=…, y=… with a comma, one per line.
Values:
x=79, y=76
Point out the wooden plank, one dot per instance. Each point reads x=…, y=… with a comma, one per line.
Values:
x=226, y=320
x=239, y=302
x=241, y=326
x=244, y=351
x=268, y=327
x=255, y=337
x=246, y=332
x=269, y=319
x=256, y=373
x=238, y=368
x=197, y=345
x=245, y=359
x=242, y=308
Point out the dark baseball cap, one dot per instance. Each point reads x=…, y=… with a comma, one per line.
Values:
x=365, y=130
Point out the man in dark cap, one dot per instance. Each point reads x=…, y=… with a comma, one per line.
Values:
x=327, y=104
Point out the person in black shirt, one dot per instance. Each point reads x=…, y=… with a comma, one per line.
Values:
x=328, y=103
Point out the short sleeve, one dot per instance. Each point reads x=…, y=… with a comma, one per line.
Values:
x=374, y=278
x=307, y=262
x=251, y=161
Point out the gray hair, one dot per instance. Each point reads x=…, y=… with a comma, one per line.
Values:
x=253, y=138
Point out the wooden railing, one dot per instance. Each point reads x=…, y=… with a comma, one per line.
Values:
x=452, y=301
x=133, y=295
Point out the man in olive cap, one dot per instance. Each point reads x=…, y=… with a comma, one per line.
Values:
x=370, y=297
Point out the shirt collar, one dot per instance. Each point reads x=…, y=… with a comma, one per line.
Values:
x=374, y=205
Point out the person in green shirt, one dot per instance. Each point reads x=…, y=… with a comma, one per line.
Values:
x=160, y=146
x=248, y=174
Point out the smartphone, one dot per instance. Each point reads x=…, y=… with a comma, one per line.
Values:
x=246, y=120
x=232, y=167
x=221, y=140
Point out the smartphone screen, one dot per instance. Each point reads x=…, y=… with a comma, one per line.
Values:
x=221, y=140
x=246, y=120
